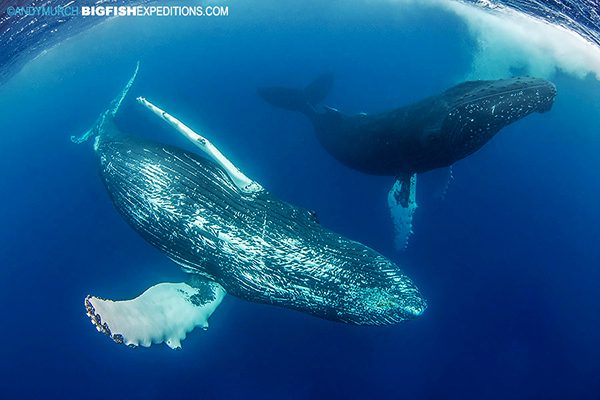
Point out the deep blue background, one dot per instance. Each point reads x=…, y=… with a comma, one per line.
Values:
x=509, y=261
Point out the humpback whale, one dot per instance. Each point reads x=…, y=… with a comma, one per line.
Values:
x=231, y=236
x=430, y=134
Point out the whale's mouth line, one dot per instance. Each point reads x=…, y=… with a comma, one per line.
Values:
x=507, y=92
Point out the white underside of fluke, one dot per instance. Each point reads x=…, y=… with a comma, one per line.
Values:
x=402, y=215
x=166, y=312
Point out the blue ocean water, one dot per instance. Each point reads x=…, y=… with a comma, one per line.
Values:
x=508, y=261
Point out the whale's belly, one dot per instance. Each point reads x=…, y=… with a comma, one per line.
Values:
x=391, y=143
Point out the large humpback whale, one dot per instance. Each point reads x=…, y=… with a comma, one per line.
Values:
x=432, y=133
x=231, y=236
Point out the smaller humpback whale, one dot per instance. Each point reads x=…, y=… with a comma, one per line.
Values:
x=231, y=236
x=433, y=133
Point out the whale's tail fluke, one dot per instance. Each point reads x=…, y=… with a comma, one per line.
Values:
x=302, y=100
x=166, y=312
x=108, y=114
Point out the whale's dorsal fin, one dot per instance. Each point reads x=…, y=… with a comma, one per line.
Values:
x=312, y=214
x=402, y=202
x=317, y=90
x=294, y=99
x=166, y=312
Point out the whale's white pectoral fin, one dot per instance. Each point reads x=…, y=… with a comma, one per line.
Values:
x=402, y=203
x=243, y=183
x=164, y=313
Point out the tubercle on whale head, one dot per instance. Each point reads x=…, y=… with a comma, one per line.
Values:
x=516, y=96
x=393, y=299
x=378, y=308
x=537, y=90
x=483, y=108
x=549, y=92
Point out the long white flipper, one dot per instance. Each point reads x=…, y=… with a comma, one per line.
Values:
x=244, y=183
x=164, y=313
x=402, y=202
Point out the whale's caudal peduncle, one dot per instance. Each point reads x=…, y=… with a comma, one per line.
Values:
x=232, y=236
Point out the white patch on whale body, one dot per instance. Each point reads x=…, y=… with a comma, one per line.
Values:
x=166, y=312
x=402, y=216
